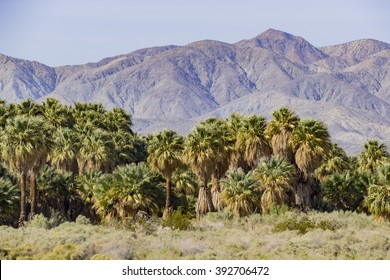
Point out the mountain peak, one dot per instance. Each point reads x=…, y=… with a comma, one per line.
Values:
x=276, y=35
x=295, y=48
x=356, y=51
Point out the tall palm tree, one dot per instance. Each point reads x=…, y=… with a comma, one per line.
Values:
x=201, y=149
x=373, y=156
x=275, y=177
x=251, y=141
x=25, y=146
x=165, y=156
x=219, y=129
x=280, y=130
x=311, y=141
x=378, y=198
x=239, y=192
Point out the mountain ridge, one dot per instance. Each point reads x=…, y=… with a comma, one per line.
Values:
x=174, y=86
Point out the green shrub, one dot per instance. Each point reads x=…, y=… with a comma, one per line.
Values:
x=178, y=220
x=82, y=220
x=278, y=210
x=61, y=252
x=40, y=221
x=100, y=257
x=303, y=225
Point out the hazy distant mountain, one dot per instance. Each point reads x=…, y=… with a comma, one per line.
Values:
x=347, y=85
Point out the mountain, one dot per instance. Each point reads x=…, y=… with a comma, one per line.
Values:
x=346, y=85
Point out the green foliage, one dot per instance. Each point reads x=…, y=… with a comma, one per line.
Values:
x=240, y=192
x=311, y=142
x=9, y=200
x=130, y=188
x=346, y=191
x=82, y=220
x=378, y=198
x=251, y=144
x=219, y=235
x=100, y=257
x=277, y=210
x=40, y=221
x=76, y=155
x=57, y=193
x=275, y=177
x=373, y=155
x=178, y=220
x=303, y=225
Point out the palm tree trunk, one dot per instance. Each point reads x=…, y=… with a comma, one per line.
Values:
x=168, y=200
x=205, y=202
x=215, y=192
x=81, y=166
x=22, y=216
x=33, y=194
x=302, y=195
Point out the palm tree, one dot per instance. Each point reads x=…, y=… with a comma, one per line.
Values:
x=251, y=141
x=25, y=145
x=373, y=156
x=239, y=192
x=57, y=193
x=118, y=120
x=311, y=143
x=201, y=149
x=186, y=184
x=378, y=198
x=275, y=177
x=89, y=113
x=87, y=186
x=237, y=158
x=165, y=156
x=96, y=149
x=345, y=190
x=130, y=188
x=27, y=107
x=335, y=161
x=219, y=129
x=65, y=149
x=280, y=130
x=56, y=114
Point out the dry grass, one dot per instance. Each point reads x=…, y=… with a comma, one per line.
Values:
x=216, y=236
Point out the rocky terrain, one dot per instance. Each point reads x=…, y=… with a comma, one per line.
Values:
x=347, y=85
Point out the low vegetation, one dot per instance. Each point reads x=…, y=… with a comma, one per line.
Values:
x=222, y=235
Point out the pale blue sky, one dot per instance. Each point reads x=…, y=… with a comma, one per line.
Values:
x=61, y=32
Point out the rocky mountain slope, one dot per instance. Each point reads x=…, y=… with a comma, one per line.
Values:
x=347, y=85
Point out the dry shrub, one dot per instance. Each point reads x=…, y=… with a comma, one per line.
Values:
x=336, y=235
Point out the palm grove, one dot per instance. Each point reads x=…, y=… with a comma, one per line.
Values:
x=86, y=160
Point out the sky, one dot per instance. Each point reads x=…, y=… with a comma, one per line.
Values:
x=67, y=32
